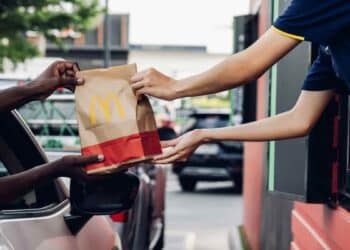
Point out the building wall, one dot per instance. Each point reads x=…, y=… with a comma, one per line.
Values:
x=178, y=63
x=309, y=226
x=254, y=154
x=319, y=227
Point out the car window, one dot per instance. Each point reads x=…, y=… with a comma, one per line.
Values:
x=3, y=170
x=19, y=152
x=25, y=202
x=213, y=121
x=53, y=122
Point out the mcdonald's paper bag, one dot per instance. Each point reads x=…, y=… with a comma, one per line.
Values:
x=112, y=121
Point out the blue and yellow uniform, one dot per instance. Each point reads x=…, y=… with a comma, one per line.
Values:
x=327, y=23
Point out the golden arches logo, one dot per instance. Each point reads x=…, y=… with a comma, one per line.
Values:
x=105, y=104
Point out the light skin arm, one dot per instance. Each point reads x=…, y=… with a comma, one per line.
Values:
x=234, y=71
x=296, y=122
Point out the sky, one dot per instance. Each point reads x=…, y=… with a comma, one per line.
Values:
x=182, y=22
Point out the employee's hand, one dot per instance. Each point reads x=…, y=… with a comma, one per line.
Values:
x=60, y=74
x=180, y=148
x=73, y=165
x=153, y=83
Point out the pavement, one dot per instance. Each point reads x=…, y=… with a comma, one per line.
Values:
x=203, y=219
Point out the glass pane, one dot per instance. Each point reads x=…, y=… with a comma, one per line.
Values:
x=212, y=121
x=53, y=122
x=27, y=201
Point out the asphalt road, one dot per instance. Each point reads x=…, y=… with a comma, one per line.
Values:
x=201, y=220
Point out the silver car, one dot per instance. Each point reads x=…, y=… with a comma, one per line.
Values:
x=41, y=219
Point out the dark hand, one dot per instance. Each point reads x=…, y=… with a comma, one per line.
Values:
x=60, y=74
x=73, y=165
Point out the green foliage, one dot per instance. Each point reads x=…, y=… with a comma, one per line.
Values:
x=42, y=16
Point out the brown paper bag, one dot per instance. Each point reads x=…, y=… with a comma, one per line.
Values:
x=112, y=121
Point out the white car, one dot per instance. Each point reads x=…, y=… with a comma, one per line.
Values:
x=42, y=219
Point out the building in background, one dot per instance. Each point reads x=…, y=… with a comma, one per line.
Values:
x=88, y=49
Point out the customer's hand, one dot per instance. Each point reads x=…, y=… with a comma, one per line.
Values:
x=153, y=83
x=73, y=165
x=180, y=148
x=60, y=74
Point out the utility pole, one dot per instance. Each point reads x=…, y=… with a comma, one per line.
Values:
x=106, y=30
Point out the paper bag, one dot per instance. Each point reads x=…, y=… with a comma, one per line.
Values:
x=112, y=121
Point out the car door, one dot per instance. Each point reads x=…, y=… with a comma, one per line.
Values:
x=36, y=220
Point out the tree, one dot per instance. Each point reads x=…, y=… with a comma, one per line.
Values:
x=44, y=17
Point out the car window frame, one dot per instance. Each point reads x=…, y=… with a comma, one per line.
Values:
x=62, y=194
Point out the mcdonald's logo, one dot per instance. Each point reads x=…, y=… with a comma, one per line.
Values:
x=105, y=107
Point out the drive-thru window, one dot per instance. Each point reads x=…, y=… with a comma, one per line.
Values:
x=305, y=194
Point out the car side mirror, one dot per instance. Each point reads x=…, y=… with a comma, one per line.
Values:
x=103, y=195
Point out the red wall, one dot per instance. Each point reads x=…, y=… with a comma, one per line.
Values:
x=318, y=227
x=313, y=226
x=254, y=155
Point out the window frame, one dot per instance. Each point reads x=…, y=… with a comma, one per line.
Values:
x=344, y=153
x=15, y=121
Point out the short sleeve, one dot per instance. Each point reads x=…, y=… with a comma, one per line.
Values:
x=318, y=21
x=321, y=75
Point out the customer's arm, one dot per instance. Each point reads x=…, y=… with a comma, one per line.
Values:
x=14, y=186
x=236, y=70
x=59, y=74
x=293, y=123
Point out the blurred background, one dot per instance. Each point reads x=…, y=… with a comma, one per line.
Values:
x=179, y=38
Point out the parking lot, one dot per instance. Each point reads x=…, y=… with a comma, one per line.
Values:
x=201, y=220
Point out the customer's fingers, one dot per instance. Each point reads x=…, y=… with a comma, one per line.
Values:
x=76, y=67
x=61, y=68
x=70, y=73
x=86, y=160
x=69, y=64
x=70, y=81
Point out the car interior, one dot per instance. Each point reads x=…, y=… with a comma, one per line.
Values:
x=18, y=152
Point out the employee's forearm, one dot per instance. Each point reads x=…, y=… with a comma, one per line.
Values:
x=228, y=74
x=14, y=186
x=238, y=69
x=14, y=97
x=283, y=126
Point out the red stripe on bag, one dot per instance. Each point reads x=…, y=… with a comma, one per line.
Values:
x=124, y=149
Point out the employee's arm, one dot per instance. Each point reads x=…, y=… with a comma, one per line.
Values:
x=296, y=122
x=58, y=74
x=236, y=70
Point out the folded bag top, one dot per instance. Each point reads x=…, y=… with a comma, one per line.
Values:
x=112, y=121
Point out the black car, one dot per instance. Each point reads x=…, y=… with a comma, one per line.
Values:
x=214, y=161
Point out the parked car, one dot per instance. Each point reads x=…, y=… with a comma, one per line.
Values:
x=37, y=221
x=164, y=121
x=213, y=161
